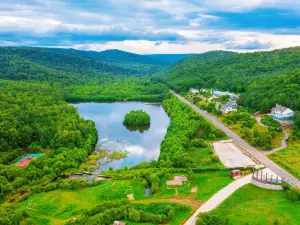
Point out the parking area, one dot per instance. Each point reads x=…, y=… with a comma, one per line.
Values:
x=231, y=155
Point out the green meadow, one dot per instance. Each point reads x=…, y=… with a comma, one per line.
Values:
x=288, y=158
x=59, y=206
x=252, y=205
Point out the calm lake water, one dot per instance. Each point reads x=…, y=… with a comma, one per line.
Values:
x=142, y=143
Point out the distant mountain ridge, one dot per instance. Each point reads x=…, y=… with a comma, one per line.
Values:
x=169, y=58
x=88, y=63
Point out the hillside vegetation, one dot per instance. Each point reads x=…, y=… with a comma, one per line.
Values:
x=272, y=75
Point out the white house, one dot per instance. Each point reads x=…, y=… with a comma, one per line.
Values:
x=194, y=90
x=229, y=107
x=280, y=112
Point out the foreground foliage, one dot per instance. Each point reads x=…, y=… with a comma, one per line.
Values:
x=257, y=206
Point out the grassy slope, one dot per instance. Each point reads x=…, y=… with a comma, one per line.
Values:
x=61, y=205
x=288, y=158
x=257, y=206
x=207, y=183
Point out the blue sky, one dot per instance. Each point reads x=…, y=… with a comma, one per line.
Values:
x=151, y=26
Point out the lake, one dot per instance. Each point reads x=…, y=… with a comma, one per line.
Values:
x=141, y=143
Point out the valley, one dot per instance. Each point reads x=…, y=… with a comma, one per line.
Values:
x=69, y=106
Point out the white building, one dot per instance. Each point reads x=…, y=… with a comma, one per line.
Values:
x=194, y=90
x=229, y=107
x=280, y=112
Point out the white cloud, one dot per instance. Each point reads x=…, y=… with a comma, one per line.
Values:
x=244, y=5
x=203, y=19
x=9, y=23
x=232, y=40
x=150, y=47
x=177, y=7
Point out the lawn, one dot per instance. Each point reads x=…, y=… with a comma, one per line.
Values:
x=59, y=206
x=256, y=206
x=64, y=204
x=289, y=159
x=207, y=184
x=205, y=158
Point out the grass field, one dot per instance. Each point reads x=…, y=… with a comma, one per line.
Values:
x=207, y=184
x=256, y=206
x=205, y=158
x=288, y=158
x=63, y=204
x=58, y=206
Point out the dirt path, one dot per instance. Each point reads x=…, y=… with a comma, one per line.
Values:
x=258, y=119
x=177, y=199
x=283, y=144
x=287, y=177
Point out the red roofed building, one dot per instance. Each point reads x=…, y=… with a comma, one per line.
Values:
x=25, y=161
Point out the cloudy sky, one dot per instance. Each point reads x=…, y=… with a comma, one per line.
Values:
x=151, y=26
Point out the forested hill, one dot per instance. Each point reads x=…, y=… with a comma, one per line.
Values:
x=111, y=56
x=86, y=63
x=262, y=78
x=233, y=72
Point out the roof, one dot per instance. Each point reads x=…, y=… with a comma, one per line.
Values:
x=227, y=105
x=280, y=108
x=119, y=223
x=25, y=161
x=177, y=180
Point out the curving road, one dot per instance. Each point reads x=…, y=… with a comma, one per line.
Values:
x=283, y=144
x=219, y=197
x=250, y=149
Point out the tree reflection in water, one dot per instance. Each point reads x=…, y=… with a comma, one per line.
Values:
x=139, y=128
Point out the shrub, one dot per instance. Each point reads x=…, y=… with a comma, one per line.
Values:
x=212, y=220
x=293, y=194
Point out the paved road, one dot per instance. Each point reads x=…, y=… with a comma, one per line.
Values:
x=250, y=149
x=219, y=197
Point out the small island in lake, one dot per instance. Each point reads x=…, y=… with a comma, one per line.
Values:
x=137, y=117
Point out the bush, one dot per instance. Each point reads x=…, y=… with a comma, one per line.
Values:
x=199, y=143
x=212, y=220
x=134, y=215
x=293, y=194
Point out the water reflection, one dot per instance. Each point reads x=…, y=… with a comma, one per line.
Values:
x=139, y=128
x=142, y=143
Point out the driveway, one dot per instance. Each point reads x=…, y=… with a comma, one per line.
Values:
x=250, y=149
x=219, y=197
x=283, y=144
